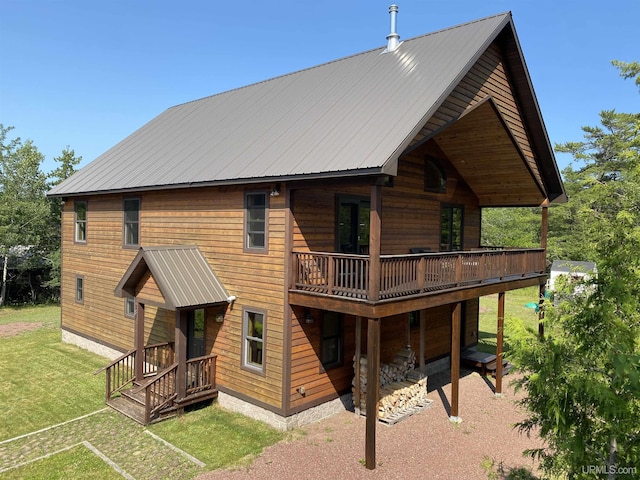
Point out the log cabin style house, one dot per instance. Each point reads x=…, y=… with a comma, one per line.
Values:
x=252, y=245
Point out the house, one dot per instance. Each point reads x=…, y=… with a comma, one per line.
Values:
x=252, y=245
x=574, y=269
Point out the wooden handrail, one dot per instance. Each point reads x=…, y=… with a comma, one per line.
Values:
x=346, y=275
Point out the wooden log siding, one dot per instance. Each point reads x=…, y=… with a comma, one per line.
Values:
x=402, y=275
x=212, y=218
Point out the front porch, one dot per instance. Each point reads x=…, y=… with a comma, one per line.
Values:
x=152, y=387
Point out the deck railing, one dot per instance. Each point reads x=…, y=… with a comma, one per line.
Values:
x=160, y=392
x=201, y=374
x=122, y=371
x=401, y=275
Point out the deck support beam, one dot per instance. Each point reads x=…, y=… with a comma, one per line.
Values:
x=139, y=342
x=499, y=342
x=373, y=390
x=375, y=232
x=356, y=372
x=181, y=353
x=455, y=360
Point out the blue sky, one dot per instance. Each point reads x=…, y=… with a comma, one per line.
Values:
x=87, y=73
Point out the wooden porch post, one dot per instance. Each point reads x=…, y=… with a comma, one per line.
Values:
x=181, y=353
x=356, y=367
x=375, y=228
x=455, y=360
x=499, y=341
x=543, y=290
x=139, y=342
x=543, y=244
x=373, y=390
x=423, y=331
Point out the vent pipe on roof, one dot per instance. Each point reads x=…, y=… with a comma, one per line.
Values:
x=393, y=38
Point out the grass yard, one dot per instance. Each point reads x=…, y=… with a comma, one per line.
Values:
x=514, y=307
x=77, y=462
x=44, y=381
x=217, y=437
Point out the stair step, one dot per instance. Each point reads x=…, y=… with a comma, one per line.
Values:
x=136, y=397
x=129, y=408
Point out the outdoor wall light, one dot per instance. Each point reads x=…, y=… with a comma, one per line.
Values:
x=308, y=318
x=275, y=192
x=219, y=317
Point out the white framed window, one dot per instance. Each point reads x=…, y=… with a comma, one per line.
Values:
x=80, y=221
x=255, y=222
x=253, y=339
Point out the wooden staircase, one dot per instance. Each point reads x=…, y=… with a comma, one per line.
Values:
x=157, y=396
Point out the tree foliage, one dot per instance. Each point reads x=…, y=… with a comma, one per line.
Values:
x=583, y=378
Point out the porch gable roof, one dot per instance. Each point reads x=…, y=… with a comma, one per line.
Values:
x=182, y=274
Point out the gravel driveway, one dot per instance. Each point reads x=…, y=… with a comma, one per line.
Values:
x=424, y=446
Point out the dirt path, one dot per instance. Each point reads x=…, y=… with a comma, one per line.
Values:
x=425, y=446
x=16, y=328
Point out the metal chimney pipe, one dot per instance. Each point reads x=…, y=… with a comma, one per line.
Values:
x=393, y=37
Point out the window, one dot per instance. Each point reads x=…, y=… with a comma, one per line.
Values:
x=256, y=221
x=435, y=179
x=353, y=218
x=331, y=347
x=80, y=213
x=130, y=306
x=79, y=289
x=131, y=207
x=451, y=224
x=253, y=344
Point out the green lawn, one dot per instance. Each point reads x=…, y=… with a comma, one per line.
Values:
x=44, y=382
x=515, y=302
x=75, y=463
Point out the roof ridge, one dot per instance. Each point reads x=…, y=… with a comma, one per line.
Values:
x=284, y=75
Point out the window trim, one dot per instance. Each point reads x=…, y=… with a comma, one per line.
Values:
x=244, y=364
x=79, y=292
x=245, y=243
x=76, y=222
x=340, y=337
x=128, y=314
x=124, y=222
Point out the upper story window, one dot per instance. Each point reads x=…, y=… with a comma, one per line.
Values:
x=131, y=219
x=255, y=221
x=435, y=179
x=80, y=220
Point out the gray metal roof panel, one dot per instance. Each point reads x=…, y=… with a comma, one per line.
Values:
x=357, y=113
x=181, y=272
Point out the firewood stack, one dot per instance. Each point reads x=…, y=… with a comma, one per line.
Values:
x=401, y=386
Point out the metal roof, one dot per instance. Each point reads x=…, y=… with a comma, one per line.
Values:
x=570, y=266
x=351, y=116
x=181, y=272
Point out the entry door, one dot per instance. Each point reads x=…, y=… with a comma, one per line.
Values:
x=195, y=333
x=353, y=225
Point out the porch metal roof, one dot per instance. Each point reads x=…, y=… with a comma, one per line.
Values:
x=181, y=272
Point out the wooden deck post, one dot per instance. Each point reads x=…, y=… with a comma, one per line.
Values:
x=499, y=341
x=373, y=390
x=356, y=367
x=423, y=332
x=455, y=360
x=181, y=353
x=543, y=290
x=375, y=229
x=139, y=342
